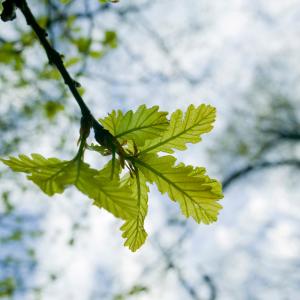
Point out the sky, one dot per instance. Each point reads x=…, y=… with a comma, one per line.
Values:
x=172, y=54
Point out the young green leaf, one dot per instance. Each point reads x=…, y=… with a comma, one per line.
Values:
x=108, y=193
x=196, y=193
x=143, y=133
x=133, y=230
x=143, y=124
x=183, y=130
x=53, y=176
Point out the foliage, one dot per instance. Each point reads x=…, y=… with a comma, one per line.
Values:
x=134, y=291
x=143, y=136
x=135, y=140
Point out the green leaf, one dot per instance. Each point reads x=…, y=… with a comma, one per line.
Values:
x=196, y=193
x=96, y=54
x=145, y=123
x=52, y=108
x=53, y=176
x=133, y=230
x=141, y=133
x=183, y=129
x=110, y=39
x=72, y=61
x=82, y=44
x=108, y=193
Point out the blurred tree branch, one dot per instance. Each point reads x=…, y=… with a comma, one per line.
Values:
x=170, y=256
x=234, y=176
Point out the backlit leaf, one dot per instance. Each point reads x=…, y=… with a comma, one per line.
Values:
x=53, y=176
x=141, y=135
x=196, y=193
x=133, y=230
x=183, y=129
x=108, y=193
x=143, y=124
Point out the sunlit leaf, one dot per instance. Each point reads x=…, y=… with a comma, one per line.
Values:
x=196, y=193
x=53, y=176
x=143, y=124
x=110, y=39
x=108, y=193
x=51, y=108
x=133, y=230
x=82, y=44
x=183, y=129
x=142, y=134
x=72, y=61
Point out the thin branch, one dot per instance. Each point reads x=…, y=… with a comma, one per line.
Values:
x=212, y=287
x=284, y=134
x=102, y=136
x=53, y=56
x=171, y=265
x=257, y=167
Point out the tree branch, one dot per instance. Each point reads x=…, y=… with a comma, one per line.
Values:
x=102, y=136
x=284, y=134
x=53, y=56
x=257, y=167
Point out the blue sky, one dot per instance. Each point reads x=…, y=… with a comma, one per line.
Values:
x=172, y=54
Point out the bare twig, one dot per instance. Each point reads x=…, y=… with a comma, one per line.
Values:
x=102, y=136
x=257, y=167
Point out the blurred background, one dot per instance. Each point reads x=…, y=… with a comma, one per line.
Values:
x=242, y=56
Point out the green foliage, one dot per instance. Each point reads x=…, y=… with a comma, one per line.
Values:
x=10, y=55
x=144, y=124
x=183, y=129
x=143, y=135
x=53, y=176
x=107, y=1
x=134, y=291
x=7, y=287
x=110, y=39
x=196, y=193
x=52, y=108
x=133, y=230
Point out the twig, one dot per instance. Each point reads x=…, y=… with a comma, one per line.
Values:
x=102, y=136
x=256, y=167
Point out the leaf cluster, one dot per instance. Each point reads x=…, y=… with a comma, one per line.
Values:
x=148, y=138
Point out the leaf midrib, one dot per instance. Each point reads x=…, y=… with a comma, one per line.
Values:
x=171, y=138
x=137, y=230
x=169, y=182
x=114, y=203
x=65, y=165
x=140, y=128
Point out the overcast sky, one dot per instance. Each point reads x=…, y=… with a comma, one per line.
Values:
x=172, y=54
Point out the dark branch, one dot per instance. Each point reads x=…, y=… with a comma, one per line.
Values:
x=53, y=56
x=212, y=287
x=102, y=136
x=257, y=167
x=291, y=135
